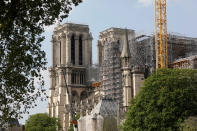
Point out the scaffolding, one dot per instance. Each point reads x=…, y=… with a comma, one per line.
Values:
x=138, y=52
x=179, y=46
x=142, y=49
x=142, y=52
x=111, y=72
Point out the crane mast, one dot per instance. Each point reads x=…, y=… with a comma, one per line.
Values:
x=161, y=34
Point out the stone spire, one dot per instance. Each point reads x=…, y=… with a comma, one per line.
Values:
x=125, y=50
x=126, y=73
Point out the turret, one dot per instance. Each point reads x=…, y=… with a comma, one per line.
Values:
x=126, y=72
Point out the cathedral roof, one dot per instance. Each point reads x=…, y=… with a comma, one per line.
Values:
x=106, y=107
x=125, y=50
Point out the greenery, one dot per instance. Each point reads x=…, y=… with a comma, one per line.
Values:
x=167, y=98
x=42, y=122
x=22, y=23
x=190, y=124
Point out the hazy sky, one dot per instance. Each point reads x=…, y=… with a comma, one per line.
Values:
x=133, y=14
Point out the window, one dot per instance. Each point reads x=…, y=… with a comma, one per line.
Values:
x=82, y=78
x=73, y=77
x=60, y=52
x=73, y=49
x=80, y=50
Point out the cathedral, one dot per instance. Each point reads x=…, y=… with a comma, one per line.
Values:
x=102, y=91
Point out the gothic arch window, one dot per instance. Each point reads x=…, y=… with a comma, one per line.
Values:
x=73, y=77
x=75, y=97
x=80, y=50
x=82, y=77
x=73, y=49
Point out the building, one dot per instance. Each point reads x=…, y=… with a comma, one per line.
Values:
x=119, y=76
x=109, y=46
x=71, y=59
x=186, y=63
x=125, y=59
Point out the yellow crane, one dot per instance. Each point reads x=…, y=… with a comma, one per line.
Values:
x=161, y=34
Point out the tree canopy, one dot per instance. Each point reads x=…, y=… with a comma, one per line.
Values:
x=42, y=122
x=167, y=98
x=22, y=23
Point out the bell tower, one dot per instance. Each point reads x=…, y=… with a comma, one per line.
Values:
x=71, y=57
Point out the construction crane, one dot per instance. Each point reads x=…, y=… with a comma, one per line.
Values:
x=161, y=34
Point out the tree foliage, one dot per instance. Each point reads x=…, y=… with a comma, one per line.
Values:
x=22, y=23
x=42, y=122
x=167, y=98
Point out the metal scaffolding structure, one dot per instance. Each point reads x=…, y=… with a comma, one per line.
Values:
x=111, y=72
x=143, y=51
x=180, y=47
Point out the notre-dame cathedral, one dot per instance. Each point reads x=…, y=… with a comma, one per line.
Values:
x=125, y=59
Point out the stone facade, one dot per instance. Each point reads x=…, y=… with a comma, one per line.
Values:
x=102, y=118
x=71, y=57
x=124, y=61
x=72, y=67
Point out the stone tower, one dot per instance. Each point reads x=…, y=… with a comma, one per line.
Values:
x=126, y=72
x=71, y=57
x=110, y=46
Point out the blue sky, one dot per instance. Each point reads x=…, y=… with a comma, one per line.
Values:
x=133, y=14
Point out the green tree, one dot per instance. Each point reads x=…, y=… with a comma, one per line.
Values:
x=167, y=98
x=22, y=23
x=42, y=122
